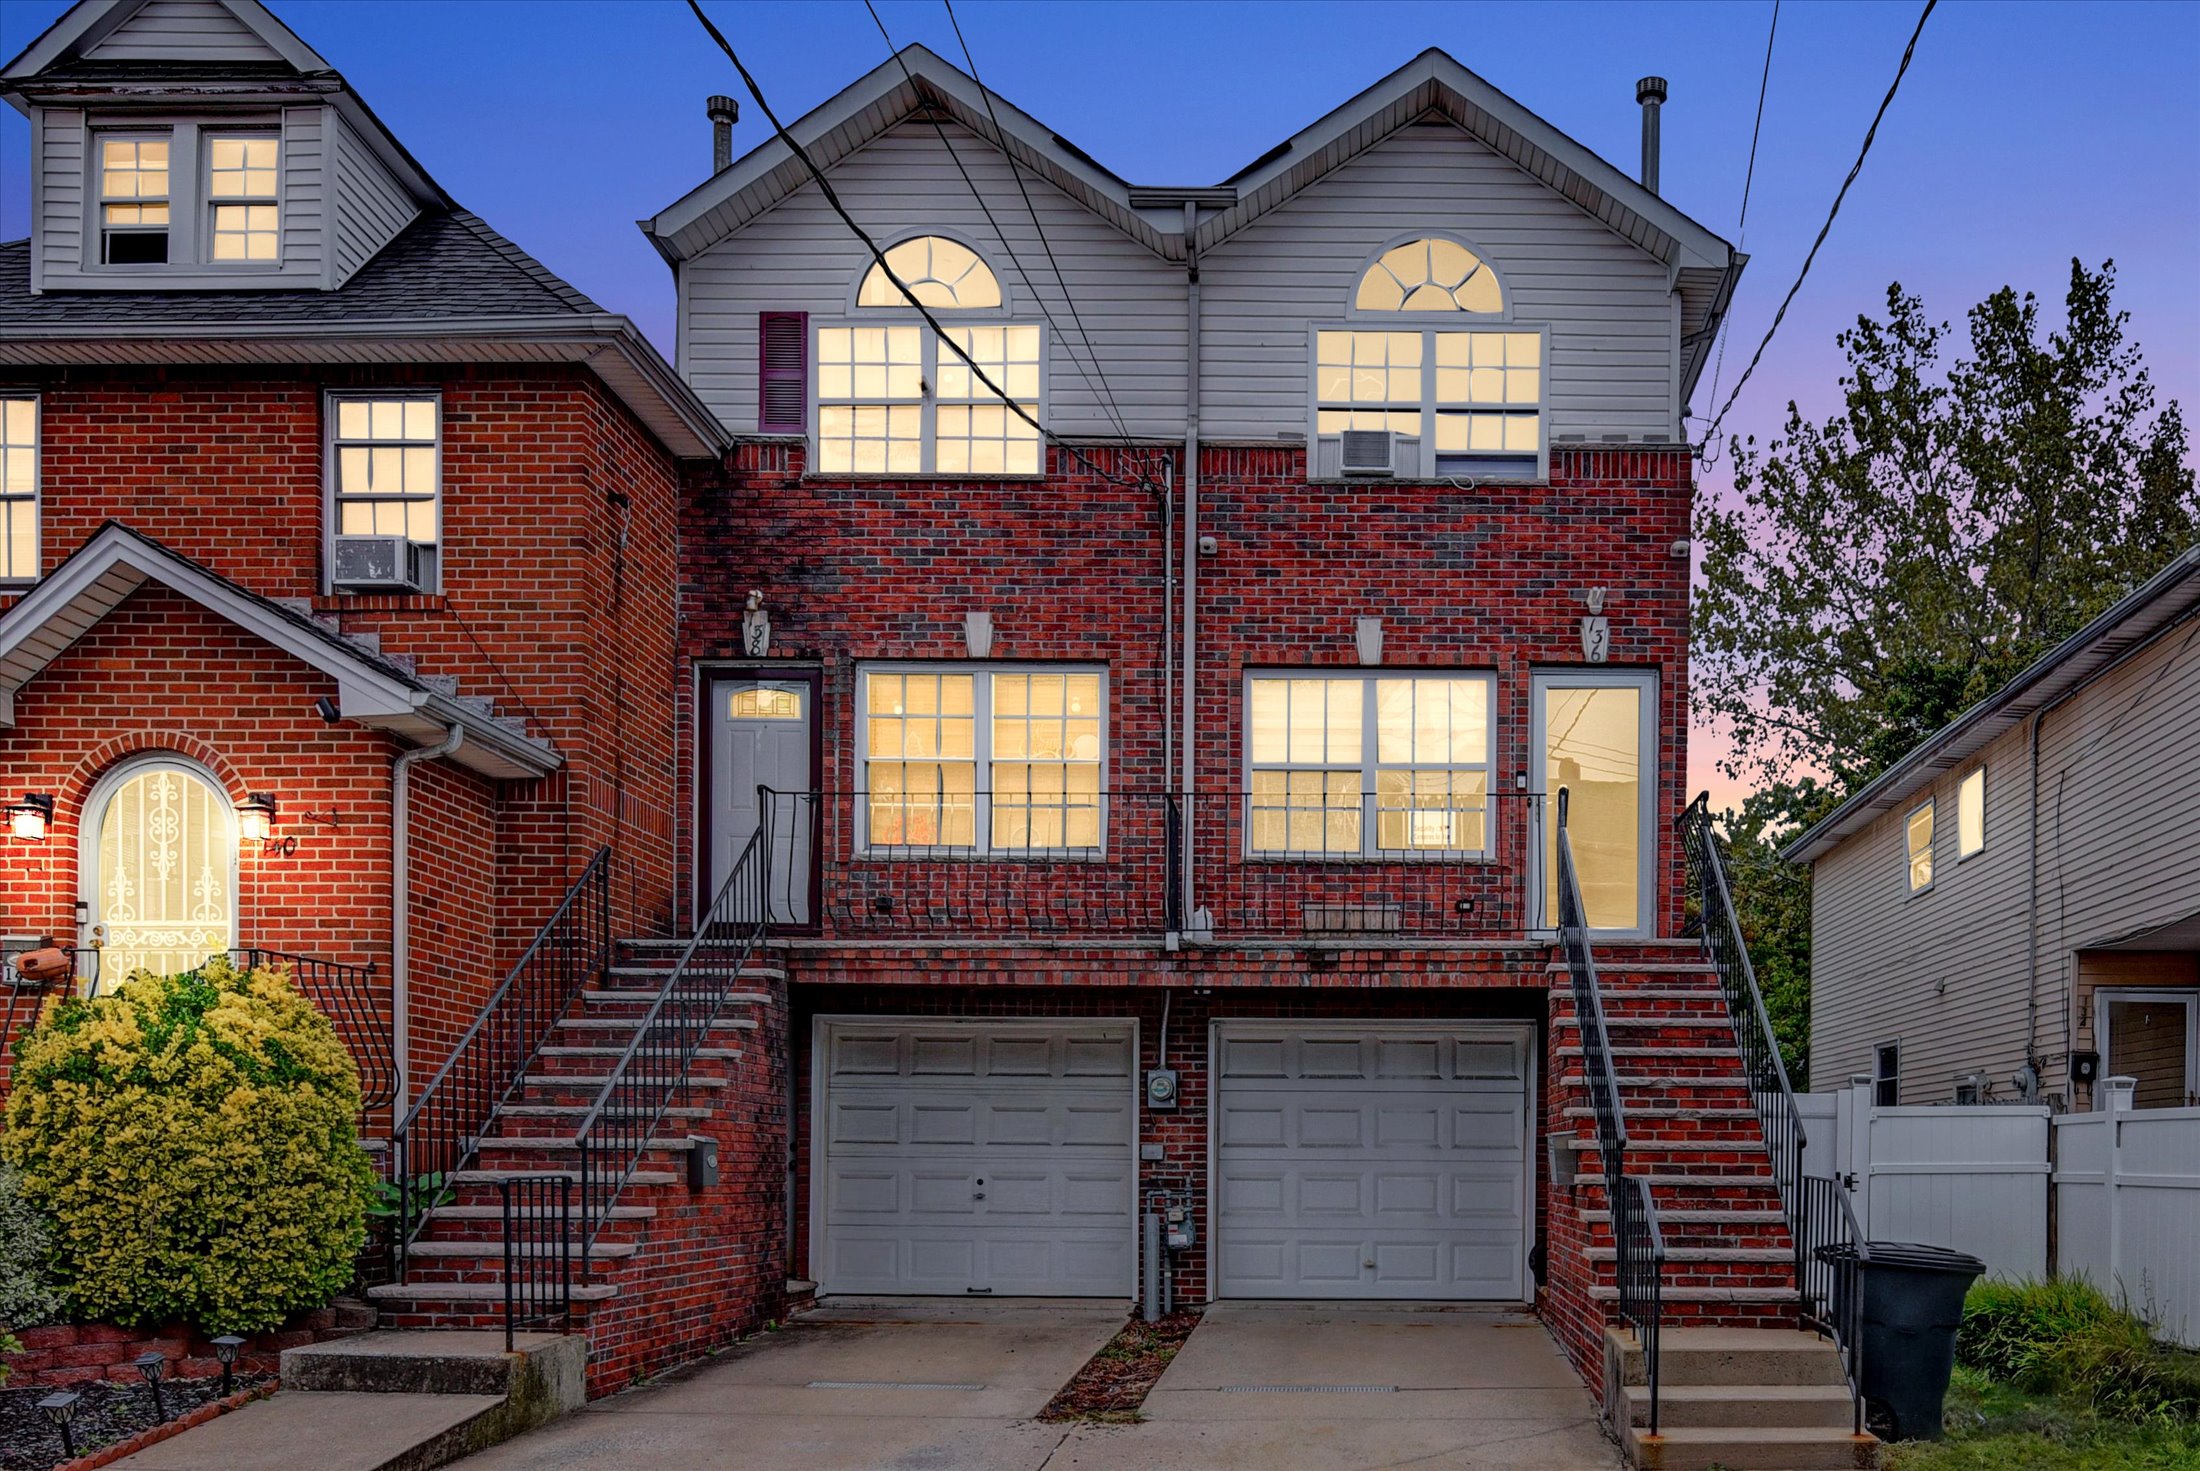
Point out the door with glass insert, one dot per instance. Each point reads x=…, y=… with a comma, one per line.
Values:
x=1595, y=736
x=162, y=869
x=760, y=737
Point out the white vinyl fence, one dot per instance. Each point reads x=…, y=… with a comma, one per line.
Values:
x=2127, y=1207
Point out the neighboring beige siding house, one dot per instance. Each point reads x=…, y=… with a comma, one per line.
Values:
x=2024, y=887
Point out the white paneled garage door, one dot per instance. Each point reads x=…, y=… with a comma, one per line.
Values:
x=1372, y=1161
x=975, y=1158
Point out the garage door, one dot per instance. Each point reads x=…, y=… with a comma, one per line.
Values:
x=976, y=1159
x=1372, y=1162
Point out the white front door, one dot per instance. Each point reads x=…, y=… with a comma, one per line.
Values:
x=958, y=1157
x=760, y=737
x=1595, y=734
x=160, y=863
x=1372, y=1160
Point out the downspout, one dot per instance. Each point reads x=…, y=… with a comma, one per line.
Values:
x=1187, y=752
x=1172, y=937
x=401, y=905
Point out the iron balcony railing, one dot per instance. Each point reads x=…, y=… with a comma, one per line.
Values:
x=1639, y=1256
x=346, y=995
x=441, y=1133
x=631, y=1106
x=1005, y=865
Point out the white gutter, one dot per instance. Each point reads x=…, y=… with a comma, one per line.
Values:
x=401, y=904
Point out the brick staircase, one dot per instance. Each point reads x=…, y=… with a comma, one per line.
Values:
x=454, y=1272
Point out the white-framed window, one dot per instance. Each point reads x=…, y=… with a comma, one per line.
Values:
x=1360, y=764
x=18, y=487
x=981, y=759
x=891, y=398
x=1917, y=831
x=1471, y=400
x=243, y=208
x=385, y=469
x=133, y=198
x=1971, y=813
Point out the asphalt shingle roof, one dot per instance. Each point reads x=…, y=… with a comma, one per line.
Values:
x=444, y=266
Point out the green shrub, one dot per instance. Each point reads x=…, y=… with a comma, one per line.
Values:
x=193, y=1139
x=27, y=1298
x=2066, y=1337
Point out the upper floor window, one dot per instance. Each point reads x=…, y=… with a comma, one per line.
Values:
x=894, y=399
x=978, y=759
x=18, y=489
x=133, y=200
x=242, y=206
x=1473, y=401
x=1356, y=765
x=1971, y=813
x=1918, y=831
x=1432, y=275
x=385, y=475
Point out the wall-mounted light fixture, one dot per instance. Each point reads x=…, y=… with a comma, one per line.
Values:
x=30, y=818
x=256, y=816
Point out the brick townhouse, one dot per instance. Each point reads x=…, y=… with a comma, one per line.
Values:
x=1145, y=800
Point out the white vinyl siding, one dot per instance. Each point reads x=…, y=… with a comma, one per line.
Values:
x=182, y=30
x=369, y=207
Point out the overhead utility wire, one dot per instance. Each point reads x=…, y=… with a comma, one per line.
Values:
x=1858, y=167
x=1749, y=177
x=832, y=198
x=1015, y=172
x=1122, y=429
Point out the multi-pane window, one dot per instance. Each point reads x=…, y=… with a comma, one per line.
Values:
x=241, y=196
x=133, y=200
x=975, y=431
x=1473, y=399
x=18, y=489
x=1368, y=765
x=939, y=272
x=977, y=760
x=383, y=467
x=1918, y=831
x=1432, y=275
x=1971, y=813
x=870, y=400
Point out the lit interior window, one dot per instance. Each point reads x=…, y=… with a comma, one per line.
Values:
x=1971, y=813
x=385, y=468
x=1429, y=276
x=241, y=188
x=939, y=272
x=18, y=489
x=1920, y=830
x=133, y=195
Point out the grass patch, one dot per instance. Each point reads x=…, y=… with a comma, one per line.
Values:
x=1114, y=1382
x=1996, y=1426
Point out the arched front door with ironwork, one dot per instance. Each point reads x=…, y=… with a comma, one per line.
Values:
x=159, y=867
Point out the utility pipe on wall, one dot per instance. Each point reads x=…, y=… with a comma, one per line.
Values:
x=401, y=905
x=1187, y=750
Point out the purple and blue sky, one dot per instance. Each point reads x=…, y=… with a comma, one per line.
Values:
x=2025, y=133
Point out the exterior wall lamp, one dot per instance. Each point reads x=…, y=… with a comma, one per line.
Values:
x=30, y=818
x=256, y=816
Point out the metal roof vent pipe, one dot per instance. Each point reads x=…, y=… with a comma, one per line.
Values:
x=724, y=113
x=1650, y=92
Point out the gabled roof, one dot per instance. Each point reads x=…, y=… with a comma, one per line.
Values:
x=80, y=30
x=371, y=690
x=2163, y=600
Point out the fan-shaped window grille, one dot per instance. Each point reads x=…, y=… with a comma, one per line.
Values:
x=943, y=274
x=1427, y=276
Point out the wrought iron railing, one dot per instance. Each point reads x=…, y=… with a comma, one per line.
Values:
x=441, y=1133
x=536, y=1212
x=1006, y=865
x=346, y=995
x=26, y=996
x=1639, y=1256
x=1831, y=1249
x=655, y=1068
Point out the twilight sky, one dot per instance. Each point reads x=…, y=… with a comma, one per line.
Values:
x=2025, y=133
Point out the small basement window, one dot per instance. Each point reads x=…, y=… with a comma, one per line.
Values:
x=1971, y=814
x=1919, y=829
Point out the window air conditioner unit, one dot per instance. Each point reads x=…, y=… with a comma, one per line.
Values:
x=1368, y=452
x=382, y=564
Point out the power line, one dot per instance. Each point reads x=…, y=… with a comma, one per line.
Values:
x=1870, y=133
x=832, y=197
x=1122, y=428
x=1749, y=177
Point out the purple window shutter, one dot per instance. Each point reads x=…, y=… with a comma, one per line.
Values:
x=782, y=372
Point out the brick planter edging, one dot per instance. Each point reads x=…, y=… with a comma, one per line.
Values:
x=63, y=1354
x=107, y=1455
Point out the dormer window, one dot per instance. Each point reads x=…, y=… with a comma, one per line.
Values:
x=243, y=209
x=133, y=200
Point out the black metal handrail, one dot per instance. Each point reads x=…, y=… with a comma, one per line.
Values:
x=344, y=994
x=656, y=1065
x=441, y=1133
x=1639, y=1254
x=1831, y=1248
x=536, y=1212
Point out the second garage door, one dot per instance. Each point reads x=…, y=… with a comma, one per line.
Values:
x=982, y=1158
x=1372, y=1161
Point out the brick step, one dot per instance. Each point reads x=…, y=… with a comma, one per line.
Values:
x=598, y=1079
x=596, y=1053
x=1707, y=1294
x=1667, y=999
x=418, y=1293
x=1668, y=1092
x=626, y=1026
x=448, y=1254
x=576, y=1110
x=631, y=997
x=494, y=1215
x=1612, y=963
x=1701, y=1255
x=1679, y=1232
x=1678, y=1152
x=1621, y=1052
x=1668, y=1109
x=660, y=969
x=490, y=1177
x=1691, y=1406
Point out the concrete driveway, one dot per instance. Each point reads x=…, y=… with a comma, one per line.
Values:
x=952, y=1386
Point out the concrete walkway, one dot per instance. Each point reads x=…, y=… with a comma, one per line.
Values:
x=952, y=1386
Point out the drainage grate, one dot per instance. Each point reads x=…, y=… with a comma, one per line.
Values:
x=881, y=1384
x=1307, y=1389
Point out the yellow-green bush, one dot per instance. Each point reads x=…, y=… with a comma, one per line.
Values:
x=193, y=1140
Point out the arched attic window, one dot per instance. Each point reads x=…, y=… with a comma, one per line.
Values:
x=1431, y=398
x=893, y=398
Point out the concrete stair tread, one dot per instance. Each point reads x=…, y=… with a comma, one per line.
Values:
x=1707, y=1294
x=634, y=1023
x=644, y=996
x=491, y=1177
x=1721, y=1393
x=568, y=1110
x=496, y=1213
x=747, y=972
x=560, y=1143
x=1703, y=1253
x=601, y=1251
x=1681, y=1215
x=1670, y=1111
x=711, y=1054
x=1739, y=1340
x=597, y=1080
x=475, y=1292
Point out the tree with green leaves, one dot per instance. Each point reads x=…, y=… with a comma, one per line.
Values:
x=1878, y=572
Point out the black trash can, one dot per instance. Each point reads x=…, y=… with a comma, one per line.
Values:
x=1912, y=1307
